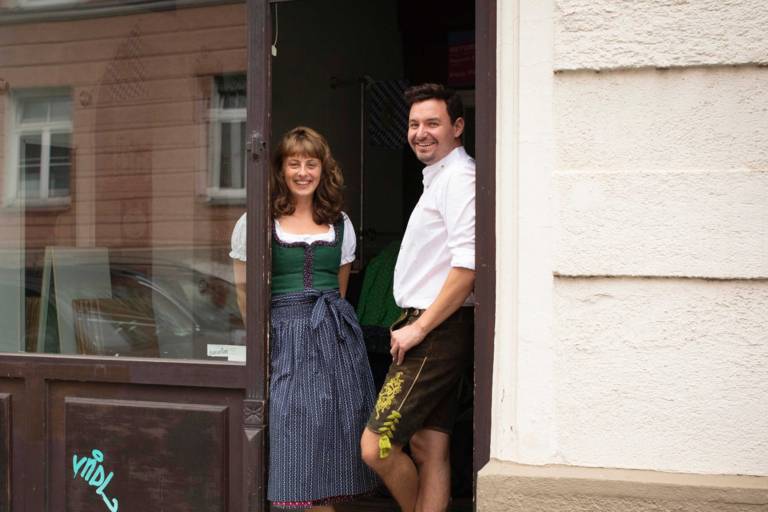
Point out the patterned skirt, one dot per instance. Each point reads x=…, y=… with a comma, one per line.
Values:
x=320, y=396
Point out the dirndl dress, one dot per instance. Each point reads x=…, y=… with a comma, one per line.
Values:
x=321, y=390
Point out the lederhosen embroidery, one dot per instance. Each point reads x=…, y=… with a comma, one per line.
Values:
x=387, y=395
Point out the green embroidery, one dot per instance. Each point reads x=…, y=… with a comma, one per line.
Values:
x=388, y=393
x=387, y=430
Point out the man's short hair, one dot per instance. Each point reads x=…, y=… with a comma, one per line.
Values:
x=424, y=92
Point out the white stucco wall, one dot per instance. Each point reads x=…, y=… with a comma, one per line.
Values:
x=662, y=374
x=524, y=416
x=611, y=34
x=680, y=119
x=662, y=223
x=632, y=227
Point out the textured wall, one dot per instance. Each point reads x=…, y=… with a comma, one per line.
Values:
x=700, y=119
x=600, y=34
x=657, y=174
x=711, y=224
x=662, y=374
x=523, y=420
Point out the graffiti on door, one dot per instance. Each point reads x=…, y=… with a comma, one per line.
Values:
x=93, y=473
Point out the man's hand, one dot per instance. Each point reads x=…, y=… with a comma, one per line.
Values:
x=457, y=287
x=404, y=339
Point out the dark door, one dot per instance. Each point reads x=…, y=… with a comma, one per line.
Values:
x=127, y=380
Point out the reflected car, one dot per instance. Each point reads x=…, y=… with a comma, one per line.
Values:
x=154, y=310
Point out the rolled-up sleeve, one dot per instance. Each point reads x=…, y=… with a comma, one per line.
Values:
x=459, y=214
x=238, y=251
x=348, y=243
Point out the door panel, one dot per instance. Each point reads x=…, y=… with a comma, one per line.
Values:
x=6, y=420
x=164, y=456
x=174, y=449
x=169, y=447
x=12, y=435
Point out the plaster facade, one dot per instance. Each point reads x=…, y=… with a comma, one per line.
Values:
x=662, y=374
x=697, y=119
x=606, y=34
x=632, y=224
x=711, y=224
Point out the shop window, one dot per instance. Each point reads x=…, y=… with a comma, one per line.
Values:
x=41, y=148
x=227, y=130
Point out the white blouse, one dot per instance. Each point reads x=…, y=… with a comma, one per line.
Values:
x=348, y=244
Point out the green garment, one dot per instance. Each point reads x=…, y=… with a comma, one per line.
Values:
x=377, y=303
x=300, y=266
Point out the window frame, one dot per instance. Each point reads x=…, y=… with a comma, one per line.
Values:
x=12, y=195
x=217, y=117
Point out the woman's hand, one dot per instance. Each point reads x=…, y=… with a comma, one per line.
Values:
x=344, y=271
x=238, y=268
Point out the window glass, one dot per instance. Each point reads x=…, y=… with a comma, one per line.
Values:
x=42, y=130
x=59, y=164
x=30, y=151
x=232, y=174
x=33, y=110
x=231, y=91
x=123, y=149
x=227, y=115
x=60, y=109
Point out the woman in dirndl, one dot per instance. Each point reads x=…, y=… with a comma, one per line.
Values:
x=321, y=390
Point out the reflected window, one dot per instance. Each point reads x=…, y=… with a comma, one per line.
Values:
x=227, y=129
x=107, y=248
x=42, y=147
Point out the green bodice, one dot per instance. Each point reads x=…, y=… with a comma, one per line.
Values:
x=301, y=266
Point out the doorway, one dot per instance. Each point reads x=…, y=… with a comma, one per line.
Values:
x=341, y=67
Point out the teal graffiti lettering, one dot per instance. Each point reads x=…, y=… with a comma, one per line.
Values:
x=76, y=464
x=93, y=473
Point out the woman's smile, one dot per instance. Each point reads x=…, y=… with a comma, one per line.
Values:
x=302, y=174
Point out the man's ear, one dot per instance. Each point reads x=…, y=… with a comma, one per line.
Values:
x=458, y=127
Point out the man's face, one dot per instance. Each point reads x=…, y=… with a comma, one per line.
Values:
x=430, y=132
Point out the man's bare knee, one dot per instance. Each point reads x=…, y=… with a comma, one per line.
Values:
x=371, y=453
x=430, y=446
x=369, y=448
x=419, y=450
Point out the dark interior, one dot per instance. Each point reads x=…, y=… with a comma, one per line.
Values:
x=340, y=68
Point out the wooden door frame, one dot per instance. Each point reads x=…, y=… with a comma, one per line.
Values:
x=258, y=262
x=485, y=225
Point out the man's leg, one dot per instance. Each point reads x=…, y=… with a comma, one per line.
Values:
x=431, y=451
x=396, y=470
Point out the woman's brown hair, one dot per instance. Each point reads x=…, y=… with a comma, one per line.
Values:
x=328, y=197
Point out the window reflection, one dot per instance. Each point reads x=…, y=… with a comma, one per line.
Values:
x=42, y=126
x=123, y=145
x=227, y=116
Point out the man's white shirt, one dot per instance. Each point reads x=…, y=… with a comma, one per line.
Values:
x=440, y=233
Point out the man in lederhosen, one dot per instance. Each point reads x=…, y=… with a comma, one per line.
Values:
x=432, y=342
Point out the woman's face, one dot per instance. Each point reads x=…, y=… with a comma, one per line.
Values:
x=302, y=175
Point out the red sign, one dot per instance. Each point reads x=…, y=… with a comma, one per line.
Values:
x=461, y=64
